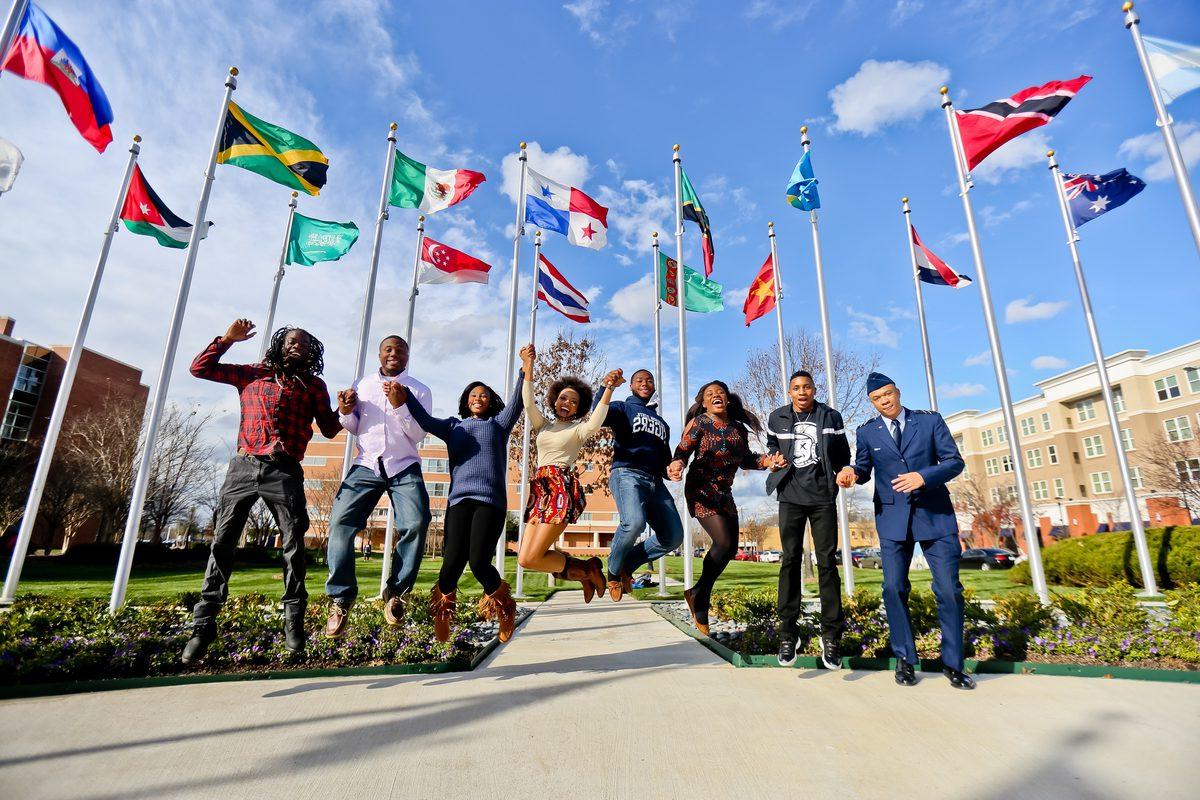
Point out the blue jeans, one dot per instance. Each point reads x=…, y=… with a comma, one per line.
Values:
x=352, y=508
x=943, y=556
x=641, y=498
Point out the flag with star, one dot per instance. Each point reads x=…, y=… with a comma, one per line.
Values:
x=691, y=208
x=145, y=213
x=1089, y=196
x=271, y=151
x=564, y=209
x=761, y=297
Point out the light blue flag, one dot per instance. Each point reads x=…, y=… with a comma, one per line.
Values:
x=802, y=187
x=1175, y=65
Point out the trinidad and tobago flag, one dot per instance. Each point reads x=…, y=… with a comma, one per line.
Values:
x=42, y=52
x=144, y=212
x=985, y=129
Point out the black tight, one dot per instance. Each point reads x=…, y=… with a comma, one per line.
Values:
x=472, y=530
x=724, y=534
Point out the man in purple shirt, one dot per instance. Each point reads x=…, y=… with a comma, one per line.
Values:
x=386, y=460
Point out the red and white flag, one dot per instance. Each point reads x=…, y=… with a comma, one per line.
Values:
x=443, y=264
x=931, y=269
x=984, y=130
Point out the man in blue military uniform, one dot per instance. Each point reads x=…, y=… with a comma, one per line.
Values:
x=913, y=456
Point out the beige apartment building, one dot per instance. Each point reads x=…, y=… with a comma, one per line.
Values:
x=1074, y=482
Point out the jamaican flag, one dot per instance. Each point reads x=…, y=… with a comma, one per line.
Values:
x=695, y=212
x=271, y=151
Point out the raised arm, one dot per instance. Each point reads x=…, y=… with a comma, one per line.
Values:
x=207, y=366
x=507, y=419
x=536, y=420
x=440, y=428
x=595, y=420
x=950, y=462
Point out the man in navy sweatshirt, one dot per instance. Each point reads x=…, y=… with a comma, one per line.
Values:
x=641, y=453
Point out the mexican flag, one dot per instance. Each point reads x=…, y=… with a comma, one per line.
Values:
x=415, y=185
x=442, y=264
x=702, y=295
x=144, y=212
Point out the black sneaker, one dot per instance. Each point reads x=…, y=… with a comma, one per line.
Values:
x=787, y=650
x=831, y=656
x=197, y=646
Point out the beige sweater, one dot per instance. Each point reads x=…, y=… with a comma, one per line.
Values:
x=559, y=443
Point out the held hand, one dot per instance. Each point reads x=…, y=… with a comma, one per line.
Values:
x=675, y=470
x=908, y=482
x=847, y=477
x=396, y=393
x=776, y=462
x=239, y=331
x=347, y=400
x=614, y=379
x=528, y=354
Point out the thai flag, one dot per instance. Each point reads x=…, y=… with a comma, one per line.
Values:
x=566, y=210
x=932, y=269
x=560, y=295
x=42, y=52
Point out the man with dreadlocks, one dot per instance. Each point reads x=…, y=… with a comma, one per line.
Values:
x=280, y=399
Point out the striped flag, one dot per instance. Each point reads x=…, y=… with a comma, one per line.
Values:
x=931, y=269
x=144, y=212
x=559, y=294
x=984, y=130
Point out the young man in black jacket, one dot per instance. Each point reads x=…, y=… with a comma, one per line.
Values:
x=812, y=437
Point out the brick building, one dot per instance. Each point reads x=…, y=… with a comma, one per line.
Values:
x=1075, y=485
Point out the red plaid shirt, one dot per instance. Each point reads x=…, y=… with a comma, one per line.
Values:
x=277, y=411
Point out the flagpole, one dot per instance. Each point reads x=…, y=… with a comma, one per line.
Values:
x=389, y=542
x=912, y=254
x=1150, y=587
x=509, y=367
x=681, y=303
x=1032, y=535
x=287, y=238
x=137, y=499
x=412, y=296
x=12, y=24
x=658, y=378
x=364, y=329
x=1165, y=123
x=61, y=401
x=783, y=373
x=830, y=382
x=525, y=436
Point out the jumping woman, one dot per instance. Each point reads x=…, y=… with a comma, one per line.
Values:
x=555, y=494
x=718, y=433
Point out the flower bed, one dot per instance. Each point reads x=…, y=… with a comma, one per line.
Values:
x=48, y=641
x=1096, y=627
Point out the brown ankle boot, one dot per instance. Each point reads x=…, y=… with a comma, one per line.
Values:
x=576, y=569
x=501, y=607
x=441, y=608
x=595, y=574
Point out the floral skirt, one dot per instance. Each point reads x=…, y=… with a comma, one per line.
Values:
x=555, y=497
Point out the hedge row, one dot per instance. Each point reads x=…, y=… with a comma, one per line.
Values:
x=1108, y=558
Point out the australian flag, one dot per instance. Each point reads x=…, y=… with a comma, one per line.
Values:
x=1091, y=195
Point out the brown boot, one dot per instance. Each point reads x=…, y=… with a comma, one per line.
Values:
x=335, y=626
x=577, y=569
x=689, y=598
x=393, y=608
x=501, y=607
x=595, y=574
x=441, y=608
x=626, y=583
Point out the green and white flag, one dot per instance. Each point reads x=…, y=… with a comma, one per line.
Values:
x=314, y=240
x=702, y=295
x=415, y=185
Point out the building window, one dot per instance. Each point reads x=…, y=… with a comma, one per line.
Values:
x=1085, y=410
x=1167, y=388
x=314, y=461
x=1126, y=439
x=313, y=483
x=1102, y=482
x=1188, y=470
x=438, y=489
x=1028, y=427
x=1052, y=453
x=1193, y=378
x=1135, y=478
x=1041, y=490
x=1178, y=429
x=996, y=495
x=992, y=466
x=1034, y=457
x=987, y=438
x=1045, y=420
x=1011, y=491
x=1006, y=464
x=1118, y=400
x=1059, y=490
x=439, y=465
x=1093, y=446
x=959, y=442
x=1002, y=434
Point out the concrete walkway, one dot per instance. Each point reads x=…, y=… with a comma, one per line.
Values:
x=609, y=701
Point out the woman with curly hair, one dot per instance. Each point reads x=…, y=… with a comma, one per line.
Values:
x=717, y=432
x=556, y=496
x=477, y=444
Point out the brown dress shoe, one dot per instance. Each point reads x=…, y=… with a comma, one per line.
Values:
x=576, y=569
x=335, y=626
x=501, y=607
x=441, y=608
x=690, y=599
x=615, y=588
x=393, y=609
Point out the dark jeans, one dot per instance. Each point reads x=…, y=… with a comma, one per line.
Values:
x=641, y=498
x=280, y=484
x=823, y=518
x=943, y=555
x=472, y=530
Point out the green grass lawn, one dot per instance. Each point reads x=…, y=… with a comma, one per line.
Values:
x=149, y=584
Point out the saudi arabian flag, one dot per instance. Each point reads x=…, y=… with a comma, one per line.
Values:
x=703, y=295
x=145, y=213
x=314, y=240
x=415, y=185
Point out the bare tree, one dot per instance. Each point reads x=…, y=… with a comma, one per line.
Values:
x=260, y=526
x=986, y=513
x=16, y=469
x=1174, y=467
x=435, y=538
x=106, y=438
x=754, y=531
x=65, y=501
x=321, y=489
x=182, y=459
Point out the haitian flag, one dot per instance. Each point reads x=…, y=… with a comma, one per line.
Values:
x=145, y=213
x=42, y=52
x=984, y=130
x=1089, y=196
x=931, y=269
x=566, y=210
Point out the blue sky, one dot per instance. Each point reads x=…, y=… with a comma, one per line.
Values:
x=602, y=89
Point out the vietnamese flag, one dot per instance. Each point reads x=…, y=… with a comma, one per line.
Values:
x=42, y=52
x=761, y=297
x=443, y=264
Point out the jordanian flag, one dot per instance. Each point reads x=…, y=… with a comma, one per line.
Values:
x=695, y=212
x=271, y=151
x=700, y=293
x=415, y=185
x=144, y=212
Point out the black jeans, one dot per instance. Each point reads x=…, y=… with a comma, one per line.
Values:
x=825, y=542
x=472, y=530
x=280, y=484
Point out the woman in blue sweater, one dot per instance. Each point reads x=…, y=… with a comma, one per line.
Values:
x=477, y=442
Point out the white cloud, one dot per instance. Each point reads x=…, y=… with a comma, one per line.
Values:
x=952, y=390
x=735, y=298
x=562, y=165
x=634, y=303
x=873, y=329
x=979, y=359
x=1021, y=153
x=903, y=10
x=993, y=216
x=636, y=210
x=1049, y=362
x=1149, y=147
x=955, y=239
x=597, y=23
x=883, y=93
x=779, y=14
x=1024, y=310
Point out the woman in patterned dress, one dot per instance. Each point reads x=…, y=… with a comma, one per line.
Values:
x=718, y=434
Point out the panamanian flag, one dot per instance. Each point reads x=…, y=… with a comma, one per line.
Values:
x=1089, y=196
x=566, y=210
x=560, y=295
x=145, y=213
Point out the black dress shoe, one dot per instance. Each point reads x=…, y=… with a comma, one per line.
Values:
x=294, y=637
x=197, y=646
x=959, y=679
x=906, y=675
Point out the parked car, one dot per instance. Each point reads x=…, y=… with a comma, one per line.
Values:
x=746, y=555
x=987, y=558
x=771, y=556
x=856, y=555
x=870, y=559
